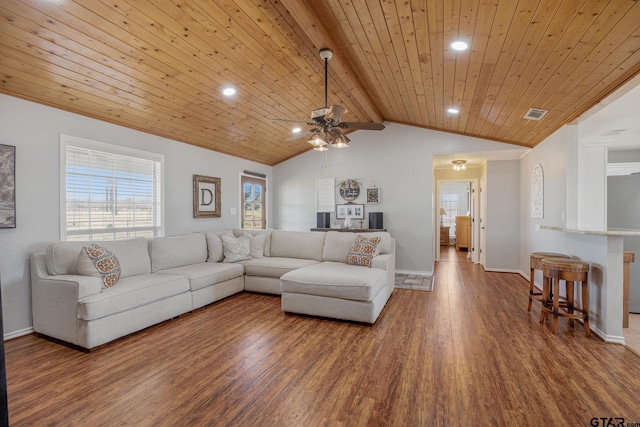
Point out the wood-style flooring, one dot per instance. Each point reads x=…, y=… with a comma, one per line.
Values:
x=466, y=354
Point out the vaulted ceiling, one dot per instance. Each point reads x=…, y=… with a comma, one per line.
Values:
x=160, y=66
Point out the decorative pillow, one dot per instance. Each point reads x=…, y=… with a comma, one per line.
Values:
x=236, y=249
x=96, y=260
x=256, y=244
x=362, y=251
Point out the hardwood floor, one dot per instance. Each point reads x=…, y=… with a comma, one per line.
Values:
x=467, y=353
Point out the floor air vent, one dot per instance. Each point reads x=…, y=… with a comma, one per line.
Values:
x=535, y=114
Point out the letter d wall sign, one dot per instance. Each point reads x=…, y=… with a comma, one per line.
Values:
x=206, y=197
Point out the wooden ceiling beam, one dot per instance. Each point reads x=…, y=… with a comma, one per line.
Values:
x=317, y=34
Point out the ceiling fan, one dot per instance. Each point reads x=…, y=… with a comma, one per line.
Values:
x=327, y=127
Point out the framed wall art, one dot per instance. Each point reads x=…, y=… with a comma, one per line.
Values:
x=350, y=210
x=537, y=192
x=206, y=197
x=373, y=195
x=7, y=186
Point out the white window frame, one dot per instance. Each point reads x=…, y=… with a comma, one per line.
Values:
x=67, y=140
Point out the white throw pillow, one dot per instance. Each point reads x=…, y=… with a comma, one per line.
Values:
x=256, y=244
x=236, y=249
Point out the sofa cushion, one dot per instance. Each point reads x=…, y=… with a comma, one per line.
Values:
x=337, y=244
x=336, y=280
x=267, y=238
x=297, y=244
x=206, y=273
x=95, y=260
x=236, y=248
x=133, y=255
x=176, y=251
x=131, y=292
x=274, y=266
x=214, y=244
x=362, y=251
x=256, y=244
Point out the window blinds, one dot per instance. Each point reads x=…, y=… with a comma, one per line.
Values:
x=111, y=196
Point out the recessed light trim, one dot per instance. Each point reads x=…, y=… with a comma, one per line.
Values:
x=459, y=45
x=453, y=110
x=296, y=129
x=229, y=91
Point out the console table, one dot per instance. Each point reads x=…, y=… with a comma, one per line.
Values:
x=351, y=230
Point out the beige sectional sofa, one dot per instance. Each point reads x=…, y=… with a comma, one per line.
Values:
x=164, y=277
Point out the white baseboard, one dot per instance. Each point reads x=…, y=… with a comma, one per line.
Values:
x=417, y=273
x=16, y=334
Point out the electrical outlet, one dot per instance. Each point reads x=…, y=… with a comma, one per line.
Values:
x=233, y=211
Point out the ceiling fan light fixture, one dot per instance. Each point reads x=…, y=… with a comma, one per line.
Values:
x=340, y=143
x=317, y=140
x=459, y=165
x=321, y=148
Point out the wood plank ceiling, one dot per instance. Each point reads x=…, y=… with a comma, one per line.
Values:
x=159, y=67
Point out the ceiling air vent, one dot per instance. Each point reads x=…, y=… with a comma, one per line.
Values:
x=535, y=114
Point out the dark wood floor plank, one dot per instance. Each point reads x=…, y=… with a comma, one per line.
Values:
x=467, y=353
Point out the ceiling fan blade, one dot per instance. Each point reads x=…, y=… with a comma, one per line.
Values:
x=361, y=125
x=298, y=136
x=335, y=113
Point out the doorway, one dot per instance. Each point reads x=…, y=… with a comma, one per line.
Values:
x=253, y=196
x=457, y=206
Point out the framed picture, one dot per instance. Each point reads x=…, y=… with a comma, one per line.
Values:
x=7, y=186
x=350, y=210
x=373, y=195
x=206, y=197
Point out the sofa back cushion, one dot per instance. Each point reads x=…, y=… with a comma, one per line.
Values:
x=297, y=244
x=133, y=255
x=214, y=244
x=267, y=239
x=176, y=251
x=337, y=244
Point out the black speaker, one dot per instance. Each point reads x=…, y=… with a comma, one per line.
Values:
x=324, y=220
x=375, y=221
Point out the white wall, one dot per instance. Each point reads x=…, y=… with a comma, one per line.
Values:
x=502, y=226
x=34, y=130
x=559, y=157
x=399, y=159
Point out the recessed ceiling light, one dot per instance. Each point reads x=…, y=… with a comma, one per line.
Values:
x=229, y=91
x=296, y=130
x=452, y=110
x=459, y=45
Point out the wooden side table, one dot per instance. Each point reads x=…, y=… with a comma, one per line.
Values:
x=444, y=236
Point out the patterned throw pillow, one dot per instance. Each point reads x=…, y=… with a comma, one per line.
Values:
x=105, y=262
x=362, y=251
x=236, y=249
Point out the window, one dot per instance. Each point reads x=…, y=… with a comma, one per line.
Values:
x=253, y=203
x=450, y=205
x=109, y=192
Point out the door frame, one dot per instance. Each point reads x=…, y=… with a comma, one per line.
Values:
x=265, y=198
x=474, y=211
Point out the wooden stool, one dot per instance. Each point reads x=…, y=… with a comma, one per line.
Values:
x=536, y=264
x=571, y=271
